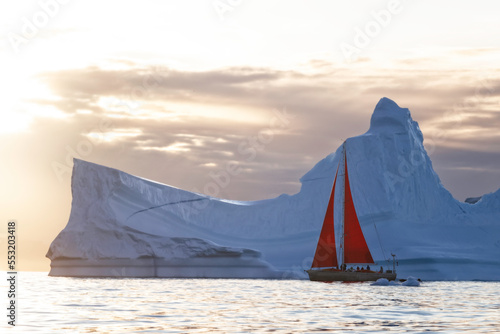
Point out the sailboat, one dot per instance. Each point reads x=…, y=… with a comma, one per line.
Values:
x=353, y=249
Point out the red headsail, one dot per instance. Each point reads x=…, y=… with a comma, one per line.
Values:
x=326, y=253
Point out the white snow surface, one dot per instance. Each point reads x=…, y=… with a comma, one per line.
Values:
x=123, y=225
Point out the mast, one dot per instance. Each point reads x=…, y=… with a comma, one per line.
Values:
x=342, y=215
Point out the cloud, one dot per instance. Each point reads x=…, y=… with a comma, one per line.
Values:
x=195, y=122
x=155, y=83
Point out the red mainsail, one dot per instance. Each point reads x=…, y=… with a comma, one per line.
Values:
x=355, y=247
x=326, y=253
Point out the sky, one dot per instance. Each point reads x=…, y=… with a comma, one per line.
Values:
x=177, y=91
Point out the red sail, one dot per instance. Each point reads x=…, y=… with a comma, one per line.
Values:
x=326, y=253
x=355, y=247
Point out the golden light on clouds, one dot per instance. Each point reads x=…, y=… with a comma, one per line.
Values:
x=115, y=135
x=176, y=147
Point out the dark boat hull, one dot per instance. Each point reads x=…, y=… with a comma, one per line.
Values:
x=347, y=276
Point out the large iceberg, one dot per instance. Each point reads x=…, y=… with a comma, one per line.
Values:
x=122, y=225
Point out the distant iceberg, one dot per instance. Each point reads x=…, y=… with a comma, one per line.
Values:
x=126, y=226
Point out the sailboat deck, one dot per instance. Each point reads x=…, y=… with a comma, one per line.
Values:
x=332, y=275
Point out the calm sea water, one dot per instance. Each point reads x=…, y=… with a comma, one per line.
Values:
x=78, y=305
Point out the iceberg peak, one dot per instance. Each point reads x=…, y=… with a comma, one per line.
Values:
x=389, y=117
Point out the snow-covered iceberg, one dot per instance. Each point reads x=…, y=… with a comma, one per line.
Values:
x=123, y=225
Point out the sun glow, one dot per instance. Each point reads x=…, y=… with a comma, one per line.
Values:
x=13, y=122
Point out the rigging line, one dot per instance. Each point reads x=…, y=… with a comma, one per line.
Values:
x=380, y=243
x=159, y=206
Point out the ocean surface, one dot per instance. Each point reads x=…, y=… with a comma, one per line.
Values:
x=83, y=305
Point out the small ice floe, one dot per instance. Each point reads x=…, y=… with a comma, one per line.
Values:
x=384, y=282
x=411, y=281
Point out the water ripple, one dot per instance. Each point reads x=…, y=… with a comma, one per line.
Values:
x=77, y=305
